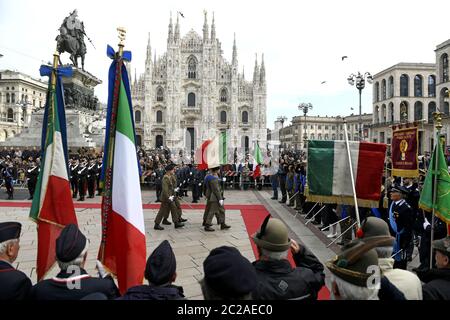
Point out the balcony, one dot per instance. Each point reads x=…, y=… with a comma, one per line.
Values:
x=191, y=111
x=244, y=124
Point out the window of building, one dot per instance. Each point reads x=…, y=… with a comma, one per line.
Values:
x=333, y=128
x=312, y=126
x=223, y=95
x=191, y=99
x=223, y=116
x=319, y=136
x=418, y=86
x=404, y=111
x=326, y=127
x=192, y=68
x=383, y=112
x=244, y=116
x=305, y=127
x=311, y=137
x=8, y=98
x=159, y=116
x=333, y=137
x=319, y=127
x=13, y=98
x=391, y=86
x=326, y=136
x=444, y=68
x=432, y=86
x=431, y=110
x=160, y=95
x=137, y=116
x=383, y=89
x=341, y=137
x=10, y=115
x=376, y=89
x=391, y=112
x=418, y=113
x=404, y=84
x=446, y=108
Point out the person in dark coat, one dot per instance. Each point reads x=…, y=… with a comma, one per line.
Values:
x=159, y=174
x=98, y=174
x=14, y=284
x=277, y=279
x=228, y=275
x=91, y=178
x=73, y=282
x=437, y=281
x=32, y=176
x=282, y=171
x=8, y=174
x=82, y=179
x=73, y=167
x=160, y=272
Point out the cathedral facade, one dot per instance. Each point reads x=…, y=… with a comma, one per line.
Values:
x=191, y=93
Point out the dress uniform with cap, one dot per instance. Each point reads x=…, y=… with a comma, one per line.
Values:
x=160, y=272
x=401, y=220
x=14, y=284
x=214, y=202
x=32, y=176
x=69, y=245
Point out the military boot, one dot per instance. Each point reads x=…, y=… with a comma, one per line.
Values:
x=158, y=227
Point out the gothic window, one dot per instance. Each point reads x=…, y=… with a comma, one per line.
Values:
x=431, y=110
x=418, y=113
x=391, y=112
x=160, y=95
x=404, y=83
x=391, y=86
x=432, y=86
x=446, y=108
x=223, y=95
x=418, y=85
x=10, y=115
x=138, y=140
x=223, y=117
x=192, y=68
x=383, y=89
x=444, y=66
x=13, y=98
x=191, y=99
x=137, y=116
x=159, y=116
x=8, y=99
x=244, y=116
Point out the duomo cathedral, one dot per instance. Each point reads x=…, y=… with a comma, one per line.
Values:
x=191, y=93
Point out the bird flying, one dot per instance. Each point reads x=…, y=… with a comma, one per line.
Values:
x=181, y=14
x=323, y=82
x=344, y=57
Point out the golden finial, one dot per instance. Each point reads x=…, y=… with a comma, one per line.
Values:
x=122, y=33
x=438, y=120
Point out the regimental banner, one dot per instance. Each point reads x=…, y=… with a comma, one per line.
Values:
x=404, y=151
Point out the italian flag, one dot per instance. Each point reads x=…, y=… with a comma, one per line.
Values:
x=52, y=207
x=329, y=177
x=123, y=247
x=257, y=161
x=213, y=153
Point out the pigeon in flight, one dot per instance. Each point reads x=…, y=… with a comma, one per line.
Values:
x=181, y=14
x=344, y=57
x=323, y=82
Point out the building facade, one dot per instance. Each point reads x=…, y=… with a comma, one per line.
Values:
x=192, y=92
x=412, y=92
x=322, y=128
x=20, y=94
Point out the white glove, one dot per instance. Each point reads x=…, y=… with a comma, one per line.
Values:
x=177, y=189
x=224, y=179
x=154, y=174
x=171, y=198
x=221, y=202
x=101, y=270
x=190, y=173
x=426, y=224
x=200, y=184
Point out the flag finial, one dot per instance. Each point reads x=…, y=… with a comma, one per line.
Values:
x=122, y=34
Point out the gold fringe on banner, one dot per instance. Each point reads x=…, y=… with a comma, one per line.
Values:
x=347, y=200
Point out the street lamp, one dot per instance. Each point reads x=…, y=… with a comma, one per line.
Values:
x=360, y=81
x=305, y=107
x=281, y=119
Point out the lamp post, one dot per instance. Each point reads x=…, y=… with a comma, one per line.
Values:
x=282, y=119
x=360, y=81
x=305, y=107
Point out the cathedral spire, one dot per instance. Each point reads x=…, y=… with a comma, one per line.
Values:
x=177, y=30
x=243, y=73
x=154, y=59
x=256, y=70
x=170, y=37
x=213, y=30
x=262, y=71
x=234, y=59
x=149, y=50
x=205, y=27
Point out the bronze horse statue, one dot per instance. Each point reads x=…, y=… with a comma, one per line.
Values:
x=70, y=44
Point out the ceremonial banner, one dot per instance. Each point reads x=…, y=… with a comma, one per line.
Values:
x=213, y=153
x=52, y=207
x=328, y=176
x=404, y=150
x=123, y=247
x=257, y=161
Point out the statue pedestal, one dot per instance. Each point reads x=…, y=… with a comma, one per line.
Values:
x=84, y=120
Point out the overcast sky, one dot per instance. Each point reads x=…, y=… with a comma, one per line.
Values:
x=302, y=41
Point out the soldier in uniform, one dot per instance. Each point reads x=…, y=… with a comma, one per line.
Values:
x=82, y=179
x=74, y=177
x=14, y=284
x=73, y=282
x=159, y=174
x=32, y=176
x=214, y=204
x=168, y=200
x=99, y=171
x=290, y=185
x=196, y=181
x=8, y=175
x=300, y=183
x=91, y=178
x=401, y=219
x=282, y=171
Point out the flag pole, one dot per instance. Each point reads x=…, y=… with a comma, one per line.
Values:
x=438, y=124
x=351, y=174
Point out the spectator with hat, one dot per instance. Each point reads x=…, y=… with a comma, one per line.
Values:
x=73, y=282
x=277, y=279
x=14, y=284
x=160, y=272
x=228, y=275
x=437, y=280
x=407, y=282
x=401, y=219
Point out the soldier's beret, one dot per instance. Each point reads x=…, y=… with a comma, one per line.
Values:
x=161, y=265
x=170, y=166
x=228, y=273
x=70, y=243
x=9, y=231
x=399, y=189
x=442, y=245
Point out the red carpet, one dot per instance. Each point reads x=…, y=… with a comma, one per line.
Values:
x=253, y=216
